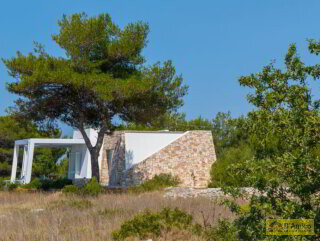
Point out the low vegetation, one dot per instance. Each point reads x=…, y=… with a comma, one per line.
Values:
x=91, y=188
x=37, y=184
x=46, y=184
x=158, y=182
x=154, y=225
x=176, y=224
x=57, y=216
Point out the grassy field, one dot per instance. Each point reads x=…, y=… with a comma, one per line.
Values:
x=55, y=216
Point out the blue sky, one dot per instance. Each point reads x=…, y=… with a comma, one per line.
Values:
x=212, y=43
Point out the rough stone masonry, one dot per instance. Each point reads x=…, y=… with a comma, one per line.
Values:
x=189, y=158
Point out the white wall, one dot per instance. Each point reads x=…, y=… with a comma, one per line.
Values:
x=86, y=171
x=140, y=145
x=84, y=160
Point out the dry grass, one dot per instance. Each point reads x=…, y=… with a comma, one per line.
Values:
x=75, y=219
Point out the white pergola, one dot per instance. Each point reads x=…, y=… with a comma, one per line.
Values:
x=28, y=147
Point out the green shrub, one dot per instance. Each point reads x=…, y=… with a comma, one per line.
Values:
x=224, y=230
x=34, y=184
x=7, y=186
x=158, y=182
x=92, y=188
x=221, y=175
x=150, y=225
x=55, y=184
x=153, y=225
x=47, y=184
x=5, y=169
x=71, y=189
x=2, y=184
x=11, y=186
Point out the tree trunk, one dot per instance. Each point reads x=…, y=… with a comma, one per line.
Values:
x=95, y=163
x=94, y=150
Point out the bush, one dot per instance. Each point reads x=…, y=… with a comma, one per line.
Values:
x=92, y=188
x=5, y=169
x=158, y=182
x=34, y=184
x=71, y=189
x=150, y=225
x=7, y=186
x=11, y=186
x=225, y=230
x=153, y=225
x=45, y=185
x=55, y=184
x=2, y=184
x=220, y=174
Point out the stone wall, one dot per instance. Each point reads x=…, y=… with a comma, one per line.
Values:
x=111, y=176
x=189, y=158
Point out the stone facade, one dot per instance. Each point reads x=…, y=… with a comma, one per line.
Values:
x=190, y=158
x=111, y=176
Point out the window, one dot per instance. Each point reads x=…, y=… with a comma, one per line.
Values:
x=109, y=159
x=78, y=163
x=75, y=164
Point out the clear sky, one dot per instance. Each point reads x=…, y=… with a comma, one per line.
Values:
x=212, y=43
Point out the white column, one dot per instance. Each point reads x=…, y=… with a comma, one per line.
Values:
x=14, y=162
x=24, y=162
x=29, y=162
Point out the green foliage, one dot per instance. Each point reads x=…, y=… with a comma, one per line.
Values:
x=233, y=145
x=62, y=168
x=172, y=122
x=59, y=183
x=70, y=189
x=224, y=230
x=5, y=168
x=13, y=128
x=221, y=173
x=2, y=184
x=34, y=184
x=286, y=131
x=47, y=184
x=153, y=225
x=11, y=186
x=158, y=182
x=44, y=163
x=92, y=188
x=7, y=186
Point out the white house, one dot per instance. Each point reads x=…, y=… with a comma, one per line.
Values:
x=130, y=157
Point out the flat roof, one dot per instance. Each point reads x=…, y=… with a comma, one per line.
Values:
x=154, y=132
x=50, y=142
